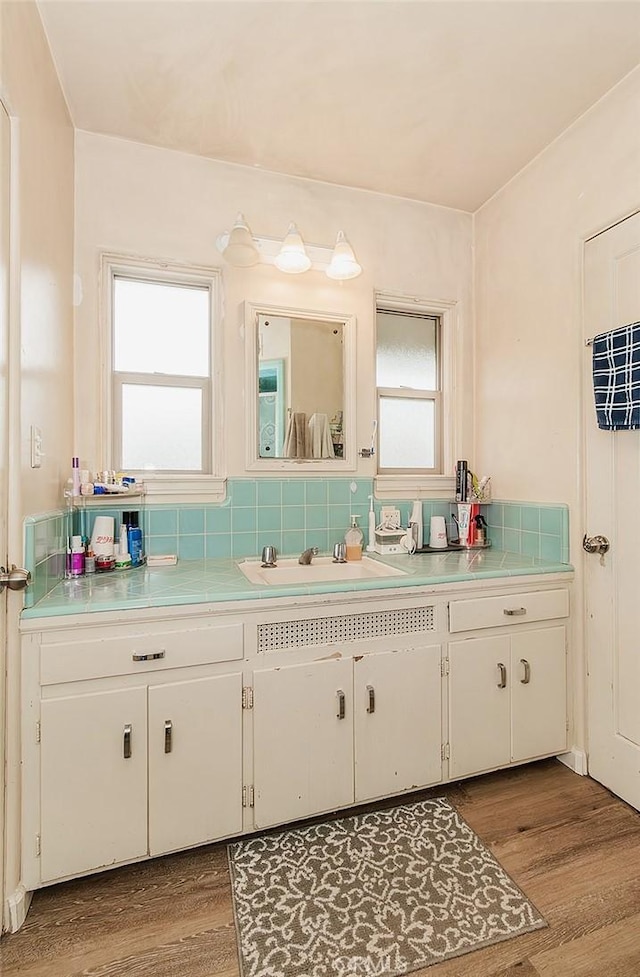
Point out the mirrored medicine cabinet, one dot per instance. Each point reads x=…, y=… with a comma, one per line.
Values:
x=300, y=374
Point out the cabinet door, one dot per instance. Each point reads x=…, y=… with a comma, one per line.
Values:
x=303, y=740
x=538, y=693
x=397, y=703
x=195, y=762
x=93, y=781
x=479, y=706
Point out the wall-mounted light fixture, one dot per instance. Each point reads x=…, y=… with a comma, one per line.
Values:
x=242, y=250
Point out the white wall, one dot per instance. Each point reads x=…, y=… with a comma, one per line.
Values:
x=43, y=134
x=528, y=288
x=141, y=200
x=41, y=364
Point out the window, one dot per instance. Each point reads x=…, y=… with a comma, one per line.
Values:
x=161, y=371
x=409, y=387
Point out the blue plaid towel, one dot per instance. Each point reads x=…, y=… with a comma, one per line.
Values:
x=616, y=378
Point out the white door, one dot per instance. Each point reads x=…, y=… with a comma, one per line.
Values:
x=93, y=781
x=479, y=705
x=612, y=482
x=303, y=740
x=4, y=425
x=195, y=762
x=397, y=703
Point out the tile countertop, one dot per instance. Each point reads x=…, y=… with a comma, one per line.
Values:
x=209, y=581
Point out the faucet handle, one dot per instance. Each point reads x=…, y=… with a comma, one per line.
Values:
x=269, y=556
x=340, y=553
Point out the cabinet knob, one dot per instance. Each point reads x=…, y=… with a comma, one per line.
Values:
x=168, y=736
x=126, y=741
x=503, y=676
x=527, y=671
x=371, y=699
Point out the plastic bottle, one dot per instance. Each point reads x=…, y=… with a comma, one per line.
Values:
x=354, y=538
x=134, y=537
x=76, y=567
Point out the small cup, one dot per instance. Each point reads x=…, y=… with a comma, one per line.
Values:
x=438, y=533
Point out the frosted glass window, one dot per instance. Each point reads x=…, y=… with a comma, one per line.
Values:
x=161, y=428
x=407, y=437
x=406, y=353
x=160, y=327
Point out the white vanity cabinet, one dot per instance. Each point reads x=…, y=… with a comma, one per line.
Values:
x=168, y=728
x=333, y=732
x=130, y=763
x=507, y=688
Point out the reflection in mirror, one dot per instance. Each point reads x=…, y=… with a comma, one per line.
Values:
x=301, y=382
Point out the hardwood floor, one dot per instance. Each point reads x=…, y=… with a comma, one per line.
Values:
x=571, y=846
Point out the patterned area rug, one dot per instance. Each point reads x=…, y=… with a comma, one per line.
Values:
x=375, y=895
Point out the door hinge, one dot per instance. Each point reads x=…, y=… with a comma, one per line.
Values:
x=37, y=845
x=566, y=725
x=445, y=752
x=444, y=667
x=247, y=697
x=38, y=732
x=247, y=796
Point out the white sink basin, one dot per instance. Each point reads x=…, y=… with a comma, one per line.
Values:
x=289, y=571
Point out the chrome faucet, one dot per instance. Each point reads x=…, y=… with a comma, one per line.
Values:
x=306, y=557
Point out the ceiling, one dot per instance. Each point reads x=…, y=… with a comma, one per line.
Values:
x=437, y=101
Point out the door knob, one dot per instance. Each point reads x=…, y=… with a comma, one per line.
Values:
x=15, y=579
x=595, y=544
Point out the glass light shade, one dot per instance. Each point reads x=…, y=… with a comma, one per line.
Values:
x=293, y=257
x=343, y=264
x=241, y=250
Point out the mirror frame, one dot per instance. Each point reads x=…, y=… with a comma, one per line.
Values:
x=326, y=465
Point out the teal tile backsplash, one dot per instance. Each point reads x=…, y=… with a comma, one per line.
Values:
x=290, y=514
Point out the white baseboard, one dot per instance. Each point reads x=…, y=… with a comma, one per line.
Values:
x=576, y=760
x=18, y=904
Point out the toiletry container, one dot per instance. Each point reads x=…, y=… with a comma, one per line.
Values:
x=438, y=533
x=371, y=544
x=134, y=537
x=102, y=536
x=354, y=538
x=76, y=561
x=415, y=524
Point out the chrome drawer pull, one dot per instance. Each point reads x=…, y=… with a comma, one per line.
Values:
x=515, y=611
x=341, y=704
x=126, y=741
x=371, y=693
x=527, y=671
x=168, y=736
x=149, y=656
x=503, y=676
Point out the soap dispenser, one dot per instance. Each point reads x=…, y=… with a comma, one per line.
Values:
x=354, y=538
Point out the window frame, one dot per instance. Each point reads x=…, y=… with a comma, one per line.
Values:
x=426, y=483
x=207, y=485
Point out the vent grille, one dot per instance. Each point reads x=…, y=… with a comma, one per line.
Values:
x=350, y=627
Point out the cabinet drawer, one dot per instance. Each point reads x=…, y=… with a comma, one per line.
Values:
x=88, y=658
x=496, y=612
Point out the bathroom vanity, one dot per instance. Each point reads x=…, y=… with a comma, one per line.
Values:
x=152, y=729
